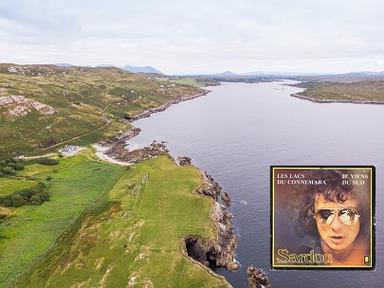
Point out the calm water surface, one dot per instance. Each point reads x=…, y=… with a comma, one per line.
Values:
x=238, y=130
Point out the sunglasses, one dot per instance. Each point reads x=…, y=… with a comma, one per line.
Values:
x=348, y=216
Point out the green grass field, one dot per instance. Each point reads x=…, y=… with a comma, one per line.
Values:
x=130, y=230
x=32, y=230
x=13, y=184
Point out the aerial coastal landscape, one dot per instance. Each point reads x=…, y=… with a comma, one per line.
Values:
x=137, y=142
x=140, y=205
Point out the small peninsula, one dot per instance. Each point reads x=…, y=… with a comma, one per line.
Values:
x=361, y=92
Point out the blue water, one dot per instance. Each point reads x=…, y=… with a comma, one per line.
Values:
x=238, y=130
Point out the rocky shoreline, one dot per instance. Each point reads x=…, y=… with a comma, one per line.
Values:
x=220, y=252
x=115, y=149
x=147, y=113
x=335, y=100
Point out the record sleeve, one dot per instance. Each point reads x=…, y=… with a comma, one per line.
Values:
x=322, y=217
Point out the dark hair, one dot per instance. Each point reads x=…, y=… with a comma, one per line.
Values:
x=333, y=190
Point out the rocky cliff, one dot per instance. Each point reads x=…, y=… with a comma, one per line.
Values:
x=219, y=253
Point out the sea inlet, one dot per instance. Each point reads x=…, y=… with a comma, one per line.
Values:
x=239, y=129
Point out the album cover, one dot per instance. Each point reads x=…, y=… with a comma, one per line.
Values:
x=322, y=217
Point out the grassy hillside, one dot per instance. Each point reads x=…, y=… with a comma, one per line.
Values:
x=80, y=103
x=76, y=183
x=130, y=232
x=364, y=91
x=11, y=185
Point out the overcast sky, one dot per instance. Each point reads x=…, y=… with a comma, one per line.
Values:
x=197, y=36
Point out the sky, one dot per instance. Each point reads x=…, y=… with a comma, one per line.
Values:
x=197, y=37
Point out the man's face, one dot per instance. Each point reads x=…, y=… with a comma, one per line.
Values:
x=335, y=234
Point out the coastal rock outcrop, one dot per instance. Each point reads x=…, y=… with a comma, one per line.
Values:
x=122, y=137
x=257, y=278
x=212, y=189
x=220, y=253
x=224, y=250
x=184, y=161
x=118, y=151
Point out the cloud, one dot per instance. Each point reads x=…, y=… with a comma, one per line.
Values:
x=196, y=36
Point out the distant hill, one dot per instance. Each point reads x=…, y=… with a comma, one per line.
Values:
x=277, y=73
x=141, y=69
x=225, y=74
x=229, y=76
x=345, y=78
x=259, y=76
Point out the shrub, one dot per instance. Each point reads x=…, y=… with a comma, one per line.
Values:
x=19, y=166
x=12, y=165
x=33, y=196
x=27, y=193
x=44, y=196
x=35, y=200
x=7, y=202
x=18, y=200
x=41, y=186
x=8, y=171
x=8, y=167
x=47, y=161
